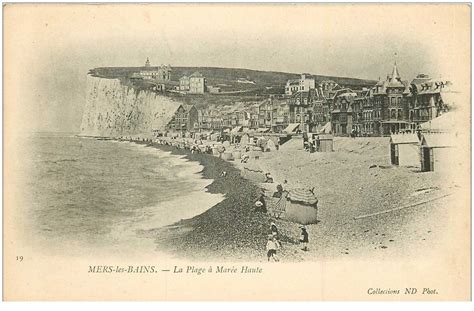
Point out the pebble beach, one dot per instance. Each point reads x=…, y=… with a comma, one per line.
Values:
x=366, y=208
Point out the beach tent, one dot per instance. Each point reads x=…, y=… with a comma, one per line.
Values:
x=270, y=145
x=252, y=171
x=245, y=140
x=221, y=148
x=297, y=205
x=235, y=132
x=326, y=129
x=236, y=129
x=302, y=206
x=436, y=151
x=444, y=123
x=227, y=155
x=275, y=139
x=405, y=150
x=295, y=143
x=251, y=132
x=261, y=141
x=291, y=128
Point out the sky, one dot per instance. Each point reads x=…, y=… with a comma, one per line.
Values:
x=49, y=52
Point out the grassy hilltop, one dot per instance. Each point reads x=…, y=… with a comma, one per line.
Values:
x=241, y=81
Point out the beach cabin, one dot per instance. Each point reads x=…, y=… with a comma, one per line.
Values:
x=404, y=150
x=323, y=142
x=436, y=151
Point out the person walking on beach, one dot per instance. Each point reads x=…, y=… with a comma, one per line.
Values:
x=279, y=191
x=304, y=238
x=268, y=178
x=273, y=229
x=272, y=246
x=260, y=204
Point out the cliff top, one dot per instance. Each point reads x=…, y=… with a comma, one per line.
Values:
x=233, y=79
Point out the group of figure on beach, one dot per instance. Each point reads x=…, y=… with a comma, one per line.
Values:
x=273, y=243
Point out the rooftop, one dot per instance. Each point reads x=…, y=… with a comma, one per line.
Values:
x=196, y=74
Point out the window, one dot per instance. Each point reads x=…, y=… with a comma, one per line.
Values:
x=393, y=114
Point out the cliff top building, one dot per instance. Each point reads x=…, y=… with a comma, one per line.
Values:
x=193, y=84
x=197, y=83
x=162, y=72
x=184, y=83
x=305, y=83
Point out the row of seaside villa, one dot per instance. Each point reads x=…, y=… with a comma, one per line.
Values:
x=391, y=106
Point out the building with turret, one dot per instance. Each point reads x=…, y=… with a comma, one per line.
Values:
x=393, y=105
x=393, y=118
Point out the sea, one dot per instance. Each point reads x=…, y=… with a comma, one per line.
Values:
x=101, y=196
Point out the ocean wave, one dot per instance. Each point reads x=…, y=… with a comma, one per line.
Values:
x=99, y=193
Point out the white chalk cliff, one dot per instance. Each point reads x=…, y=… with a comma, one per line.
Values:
x=114, y=109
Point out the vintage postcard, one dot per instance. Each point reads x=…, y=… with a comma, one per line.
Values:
x=237, y=152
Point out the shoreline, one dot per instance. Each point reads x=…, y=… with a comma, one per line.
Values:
x=230, y=230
